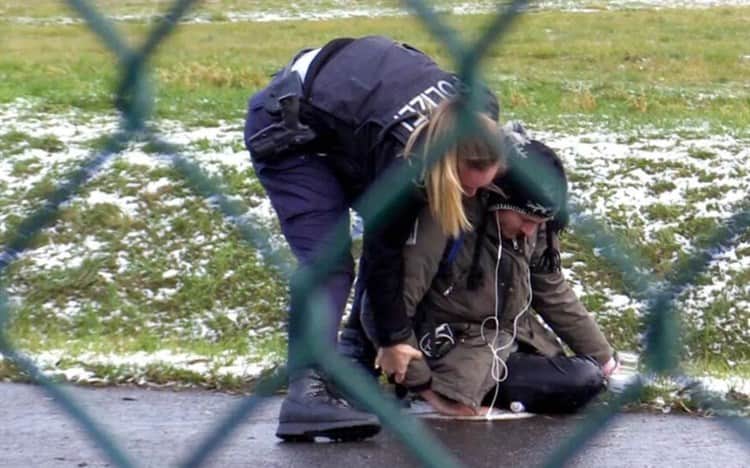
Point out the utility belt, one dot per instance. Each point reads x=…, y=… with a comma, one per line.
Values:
x=287, y=135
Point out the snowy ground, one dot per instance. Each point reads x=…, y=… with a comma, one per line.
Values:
x=619, y=178
x=77, y=131
x=335, y=9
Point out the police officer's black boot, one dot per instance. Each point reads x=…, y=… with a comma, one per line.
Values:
x=311, y=409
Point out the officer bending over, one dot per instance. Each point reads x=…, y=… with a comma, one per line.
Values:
x=334, y=122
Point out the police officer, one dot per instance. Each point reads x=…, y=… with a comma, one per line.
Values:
x=328, y=126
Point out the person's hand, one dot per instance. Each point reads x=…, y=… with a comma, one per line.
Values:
x=610, y=367
x=447, y=407
x=394, y=360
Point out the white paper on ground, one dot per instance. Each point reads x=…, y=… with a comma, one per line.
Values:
x=422, y=409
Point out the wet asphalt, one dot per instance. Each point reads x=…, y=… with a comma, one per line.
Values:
x=159, y=428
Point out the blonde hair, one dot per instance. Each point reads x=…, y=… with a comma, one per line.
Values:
x=441, y=180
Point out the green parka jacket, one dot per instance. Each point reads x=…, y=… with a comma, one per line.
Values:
x=465, y=373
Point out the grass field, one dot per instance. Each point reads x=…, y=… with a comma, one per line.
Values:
x=140, y=280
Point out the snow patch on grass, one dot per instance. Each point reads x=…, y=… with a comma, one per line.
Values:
x=644, y=183
x=241, y=367
x=331, y=10
x=616, y=180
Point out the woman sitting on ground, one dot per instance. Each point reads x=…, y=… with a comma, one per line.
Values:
x=487, y=306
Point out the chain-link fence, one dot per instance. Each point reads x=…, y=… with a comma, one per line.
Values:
x=134, y=101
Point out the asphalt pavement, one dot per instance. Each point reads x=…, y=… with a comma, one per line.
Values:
x=159, y=428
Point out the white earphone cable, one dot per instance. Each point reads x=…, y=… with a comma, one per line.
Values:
x=498, y=363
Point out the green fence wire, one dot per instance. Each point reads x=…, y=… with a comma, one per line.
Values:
x=134, y=101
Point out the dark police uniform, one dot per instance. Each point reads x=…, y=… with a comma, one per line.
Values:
x=361, y=99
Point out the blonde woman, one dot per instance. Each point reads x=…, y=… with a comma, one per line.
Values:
x=330, y=125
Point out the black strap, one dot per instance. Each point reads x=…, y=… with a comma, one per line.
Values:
x=550, y=260
x=450, y=253
x=325, y=54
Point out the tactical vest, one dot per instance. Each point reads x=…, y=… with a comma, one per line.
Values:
x=359, y=91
